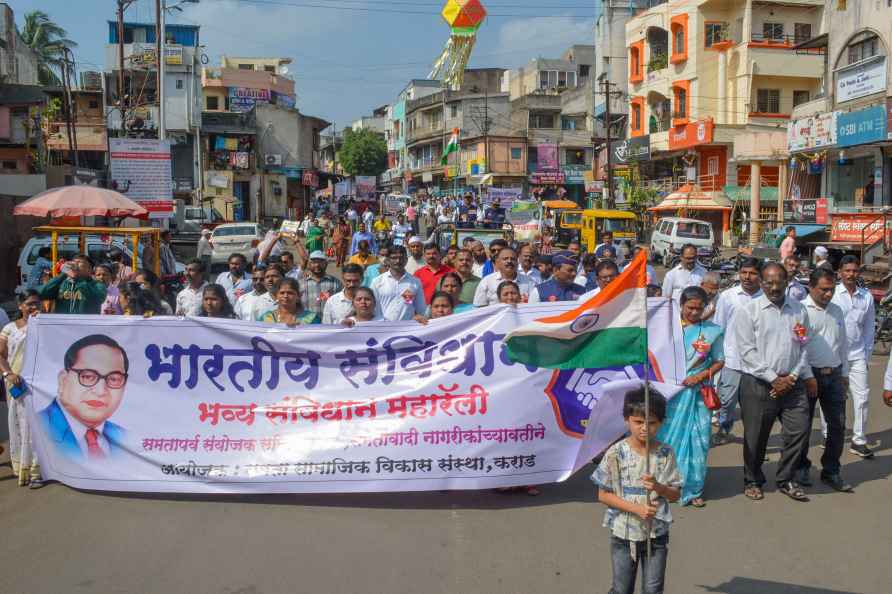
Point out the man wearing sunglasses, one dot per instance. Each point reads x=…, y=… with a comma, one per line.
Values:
x=91, y=387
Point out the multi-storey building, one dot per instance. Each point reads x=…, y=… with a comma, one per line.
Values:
x=490, y=154
x=132, y=107
x=552, y=103
x=240, y=83
x=841, y=161
x=396, y=178
x=712, y=84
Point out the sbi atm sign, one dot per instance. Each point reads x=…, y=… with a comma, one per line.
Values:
x=861, y=127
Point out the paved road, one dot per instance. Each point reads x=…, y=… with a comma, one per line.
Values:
x=59, y=540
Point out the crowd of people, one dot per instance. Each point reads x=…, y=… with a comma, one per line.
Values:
x=769, y=345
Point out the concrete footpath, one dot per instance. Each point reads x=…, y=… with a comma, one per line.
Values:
x=59, y=540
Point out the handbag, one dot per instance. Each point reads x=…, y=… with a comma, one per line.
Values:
x=709, y=394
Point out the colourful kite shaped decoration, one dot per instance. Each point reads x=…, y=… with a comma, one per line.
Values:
x=464, y=17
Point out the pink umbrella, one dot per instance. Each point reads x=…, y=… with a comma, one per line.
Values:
x=80, y=201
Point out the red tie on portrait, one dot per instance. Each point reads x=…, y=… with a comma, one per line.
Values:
x=93, y=449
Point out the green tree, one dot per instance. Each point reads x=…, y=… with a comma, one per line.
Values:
x=363, y=153
x=48, y=41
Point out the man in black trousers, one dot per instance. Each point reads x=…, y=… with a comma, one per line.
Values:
x=770, y=334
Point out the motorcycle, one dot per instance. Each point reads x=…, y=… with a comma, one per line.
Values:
x=883, y=325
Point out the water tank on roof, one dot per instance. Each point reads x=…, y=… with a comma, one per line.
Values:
x=91, y=80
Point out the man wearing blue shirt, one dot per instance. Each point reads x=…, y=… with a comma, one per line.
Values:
x=561, y=286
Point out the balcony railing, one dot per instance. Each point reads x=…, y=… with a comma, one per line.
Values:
x=784, y=42
x=658, y=62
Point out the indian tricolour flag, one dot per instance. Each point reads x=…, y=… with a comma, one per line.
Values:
x=452, y=147
x=608, y=330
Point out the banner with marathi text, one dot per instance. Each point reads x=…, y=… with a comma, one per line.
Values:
x=206, y=405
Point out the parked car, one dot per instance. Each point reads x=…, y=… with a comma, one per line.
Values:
x=670, y=234
x=97, y=247
x=188, y=221
x=232, y=238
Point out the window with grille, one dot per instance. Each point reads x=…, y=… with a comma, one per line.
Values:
x=681, y=103
x=768, y=101
x=636, y=117
x=453, y=111
x=866, y=48
x=773, y=31
x=802, y=32
x=679, y=41
x=541, y=120
x=213, y=103
x=800, y=97
x=715, y=32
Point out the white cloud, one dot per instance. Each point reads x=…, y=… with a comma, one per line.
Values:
x=521, y=40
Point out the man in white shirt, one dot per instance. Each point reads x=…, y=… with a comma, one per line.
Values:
x=189, y=299
x=204, y=249
x=828, y=352
x=857, y=306
x=272, y=274
x=398, y=294
x=245, y=305
x=688, y=273
x=339, y=306
x=729, y=302
x=526, y=258
x=368, y=217
x=401, y=230
x=770, y=333
x=416, y=255
x=505, y=269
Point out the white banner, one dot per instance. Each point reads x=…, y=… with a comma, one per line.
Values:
x=141, y=168
x=208, y=405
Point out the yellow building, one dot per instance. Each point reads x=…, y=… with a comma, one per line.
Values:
x=712, y=83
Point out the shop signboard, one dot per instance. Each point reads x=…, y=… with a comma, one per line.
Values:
x=284, y=100
x=857, y=228
x=692, y=134
x=310, y=179
x=242, y=99
x=365, y=187
x=862, y=127
x=575, y=174
x=173, y=54
x=504, y=196
x=805, y=211
x=542, y=178
x=142, y=165
x=813, y=132
x=859, y=80
x=548, y=157
x=630, y=150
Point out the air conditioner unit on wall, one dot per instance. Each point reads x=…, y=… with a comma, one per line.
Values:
x=273, y=160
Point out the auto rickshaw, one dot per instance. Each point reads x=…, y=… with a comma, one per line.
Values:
x=135, y=234
x=596, y=221
x=564, y=217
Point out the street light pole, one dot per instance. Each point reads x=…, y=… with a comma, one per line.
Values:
x=161, y=9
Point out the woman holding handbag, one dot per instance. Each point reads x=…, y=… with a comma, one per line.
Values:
x=687, y=427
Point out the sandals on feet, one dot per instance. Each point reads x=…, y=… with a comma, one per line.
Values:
x=697, y=502
x=754, y=492
x=793, y=491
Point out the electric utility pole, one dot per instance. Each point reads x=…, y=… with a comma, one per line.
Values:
x=608, y=94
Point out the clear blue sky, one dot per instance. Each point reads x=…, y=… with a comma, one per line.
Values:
x=351, y=55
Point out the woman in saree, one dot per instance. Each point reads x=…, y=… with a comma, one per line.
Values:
x=315, y=239
x=687, y=427
x=12, y=354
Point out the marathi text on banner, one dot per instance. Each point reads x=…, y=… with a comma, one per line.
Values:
x=241, y=407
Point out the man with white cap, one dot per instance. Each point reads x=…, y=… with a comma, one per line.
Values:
x=416, y=254
x=316, y=286
x=821, y=261
x=205, y=250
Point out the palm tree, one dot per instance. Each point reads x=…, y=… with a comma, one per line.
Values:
x=48, y=41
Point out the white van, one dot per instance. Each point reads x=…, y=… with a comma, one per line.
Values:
x=671, y=233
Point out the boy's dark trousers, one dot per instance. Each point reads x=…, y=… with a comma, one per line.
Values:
x=759, y=412
x=625, y=567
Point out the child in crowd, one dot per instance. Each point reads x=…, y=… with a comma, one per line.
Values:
x=638, y=503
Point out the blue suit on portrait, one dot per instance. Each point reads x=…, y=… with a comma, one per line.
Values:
x=56, y=426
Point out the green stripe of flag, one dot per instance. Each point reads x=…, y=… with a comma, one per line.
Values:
x=613, y=347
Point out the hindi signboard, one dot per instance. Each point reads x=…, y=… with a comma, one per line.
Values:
x=141, y=168
x=206, y=405
x=630, y=150
x=505, y=197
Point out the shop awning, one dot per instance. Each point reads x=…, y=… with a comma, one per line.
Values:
x=689, y=198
